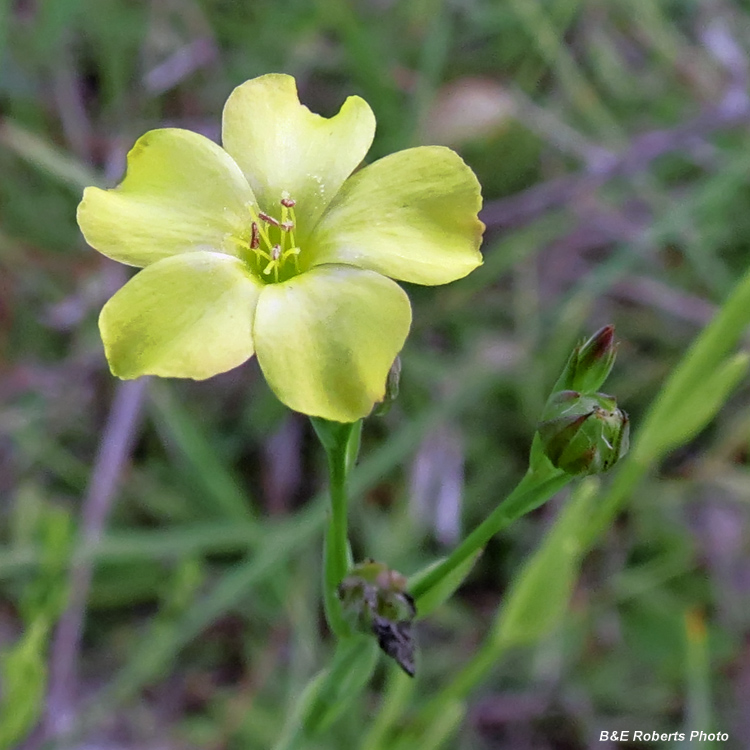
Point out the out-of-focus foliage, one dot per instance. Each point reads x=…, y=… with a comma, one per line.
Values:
x=611, y=140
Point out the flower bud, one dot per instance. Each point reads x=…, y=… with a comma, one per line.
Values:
x=584, y=434
x=375, y=600
x=590, y=363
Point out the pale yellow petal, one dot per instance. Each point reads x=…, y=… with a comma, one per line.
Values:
x=282, y=146
x=411, y=216
x=326, y=339
x=181, y=192
x=188, y=316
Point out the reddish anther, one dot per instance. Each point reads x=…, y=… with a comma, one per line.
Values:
x=268, y=219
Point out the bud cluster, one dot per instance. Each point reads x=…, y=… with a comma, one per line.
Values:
x=583, y=431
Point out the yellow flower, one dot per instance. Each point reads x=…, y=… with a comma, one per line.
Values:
x=270, y=246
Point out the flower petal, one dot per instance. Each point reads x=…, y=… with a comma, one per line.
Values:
x=282, y=146
x=411, y=216
x=326, y=339
x=181, y=192
x=188, y=316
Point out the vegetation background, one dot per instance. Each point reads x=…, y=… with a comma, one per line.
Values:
x=160, y=559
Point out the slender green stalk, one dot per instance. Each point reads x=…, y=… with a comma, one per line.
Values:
x=336, y=542
x=533, y=490
x=341, y=444
x=534, y=604
x=541, y=481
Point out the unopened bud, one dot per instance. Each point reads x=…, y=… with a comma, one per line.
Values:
x=590, y=363
x=374, y=600
x=584, y=434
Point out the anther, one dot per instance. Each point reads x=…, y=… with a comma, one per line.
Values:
x=268, y=219
x=287, y=226
x=288, y=202
x=276, y=252
x=255, y=237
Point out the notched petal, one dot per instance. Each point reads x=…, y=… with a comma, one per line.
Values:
x=282, y=146
x=181, y=192
x=411, y=216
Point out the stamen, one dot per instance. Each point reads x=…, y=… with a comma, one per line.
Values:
x=273, y=259
x=273, y=264
x=268, y=219
x=270, y=256
x=294, y=252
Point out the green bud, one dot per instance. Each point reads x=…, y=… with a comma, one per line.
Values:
x=374, y=600
x=584, y=434
x=590, y=363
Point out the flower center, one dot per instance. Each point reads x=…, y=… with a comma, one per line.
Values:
x=269, y=247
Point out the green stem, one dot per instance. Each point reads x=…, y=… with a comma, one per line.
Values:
x=533, y=490
x=336, y=543
x=340, y=442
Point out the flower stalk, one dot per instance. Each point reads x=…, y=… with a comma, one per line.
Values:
x=341, y=444
x=538, y=485
x=581, y=432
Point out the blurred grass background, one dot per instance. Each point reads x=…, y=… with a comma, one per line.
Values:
x=612, y=142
